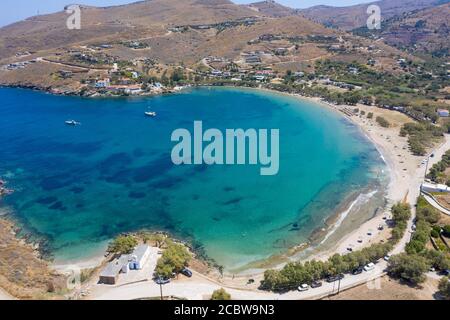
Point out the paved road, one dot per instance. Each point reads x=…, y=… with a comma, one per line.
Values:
x=435, y=204
x=198, y=289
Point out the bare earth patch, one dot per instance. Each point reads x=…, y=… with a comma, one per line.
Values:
x=390, y=289
x=22, y=273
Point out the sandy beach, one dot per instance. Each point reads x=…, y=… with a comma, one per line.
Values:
x=406, y=172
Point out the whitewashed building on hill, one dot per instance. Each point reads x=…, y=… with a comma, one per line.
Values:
x=125, y=263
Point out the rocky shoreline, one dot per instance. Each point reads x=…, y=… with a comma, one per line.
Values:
x=83, y=93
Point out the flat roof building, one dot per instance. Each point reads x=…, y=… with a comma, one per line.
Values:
x=134, y=261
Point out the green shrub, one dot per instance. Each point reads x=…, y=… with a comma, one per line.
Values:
x=428, y=214
x=401, y=212
x=383, y=122
x=221, y=294
x=409, y=267
x=421, y=136
x=436, y=173
x=437, y=259
x=434, y=233
x=173, y=260
x=123, y=245
x=444, y=287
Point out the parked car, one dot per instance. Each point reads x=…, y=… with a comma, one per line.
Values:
x=303, y=287
x=387, y=257
x=445, y=272
x=335, y=278
x=358, y=270
x=162, y=281
x=316, y=284
x=369, y=267
x=186, y=272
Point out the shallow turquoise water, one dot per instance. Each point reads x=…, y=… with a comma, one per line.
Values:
x=80, y=186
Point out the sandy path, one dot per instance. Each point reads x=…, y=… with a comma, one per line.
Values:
x=5, y=296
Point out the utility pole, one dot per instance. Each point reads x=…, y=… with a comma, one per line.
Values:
x=334, y=285
x=426, y=167
x=160, y=290
x=339, y=286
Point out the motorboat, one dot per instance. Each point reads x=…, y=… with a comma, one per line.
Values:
x=150, y=114
x=72, y=123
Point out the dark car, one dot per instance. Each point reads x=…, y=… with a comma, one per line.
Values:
x=445, y=272
x=358, y=270
x=186, y=272
x=335, y=278
x=162, y=281
x=316, y=284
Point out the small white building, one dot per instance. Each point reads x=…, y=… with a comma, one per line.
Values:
x=134, y=261
x=139, y=256
x=216, y=72
x=444, y=113
x=110, y=274
x=133, y=90
x=103, y=83
x=434, y=187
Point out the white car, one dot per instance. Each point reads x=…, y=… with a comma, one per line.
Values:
x=303, y=287
x=369, y=267
x=387, y=257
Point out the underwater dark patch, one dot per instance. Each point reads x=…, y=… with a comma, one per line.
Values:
x=46, y=200
x=136, y=195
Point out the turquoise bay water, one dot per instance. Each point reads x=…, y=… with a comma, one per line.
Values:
x=80, y=186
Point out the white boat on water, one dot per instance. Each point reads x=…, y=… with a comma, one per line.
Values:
x=150, y=114
x=72, y=123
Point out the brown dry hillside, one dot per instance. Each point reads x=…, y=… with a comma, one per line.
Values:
x=235, y=39
x=150, y=21
x=352, y=17
x=204, y=28
x=425, y=31
x=126, y=22
x=271, y=8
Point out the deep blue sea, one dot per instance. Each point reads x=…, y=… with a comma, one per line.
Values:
x=77, y=187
